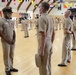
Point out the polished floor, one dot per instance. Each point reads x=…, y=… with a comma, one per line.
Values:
x=25, y=54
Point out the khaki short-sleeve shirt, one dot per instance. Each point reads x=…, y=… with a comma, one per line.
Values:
x=24, y=22
x=68, y=24
x=42, y=24
x=7, y=28
x=45, y=24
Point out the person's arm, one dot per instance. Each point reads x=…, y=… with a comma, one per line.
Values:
x=14, y=37
x=1, y=32
x=43, y=37
x=53, y=36
x=14, y=34
x=7, y=40
x=67, y=31
x=42, y=31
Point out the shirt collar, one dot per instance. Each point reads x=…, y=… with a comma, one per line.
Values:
x=44, y=14
x=6, y=19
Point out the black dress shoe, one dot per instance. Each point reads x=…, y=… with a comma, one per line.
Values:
x=21, y=30
x=13, y=70
x=62, y=65
x=8, y=73
x=73, y=49
x=69, y=61
x=25, y=36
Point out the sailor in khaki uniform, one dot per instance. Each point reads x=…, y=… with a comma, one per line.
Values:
x=45, y=30
x=60, y=24
x=74, y=33
x=36, y=21
x=26, y=28
x=22, y=24
x=30, y=24
x=66, y=48
x=7, y=34
x=56, y=23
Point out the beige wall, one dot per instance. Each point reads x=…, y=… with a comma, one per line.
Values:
x=16, y=14
x=59, y=16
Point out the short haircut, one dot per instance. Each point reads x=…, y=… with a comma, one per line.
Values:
x=68, y=12
x=45, y=5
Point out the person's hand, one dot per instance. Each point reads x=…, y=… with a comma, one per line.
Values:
x=41, y=53
x=13, y=42
x=10, y=42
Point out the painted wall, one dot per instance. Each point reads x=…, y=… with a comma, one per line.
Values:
x=16, y=14
x=55, y=11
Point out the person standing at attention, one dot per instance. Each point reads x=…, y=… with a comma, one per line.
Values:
x=26, y=33
x=45, y=35
x=8, y=36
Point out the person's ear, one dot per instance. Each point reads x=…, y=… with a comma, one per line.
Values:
x=42, y=8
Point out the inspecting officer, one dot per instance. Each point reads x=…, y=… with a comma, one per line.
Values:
x=8, y=36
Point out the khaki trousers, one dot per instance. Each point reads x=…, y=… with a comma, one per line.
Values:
x=8, y=54
x=59, y=26
x=74, y=42
x=45, y=68
x=22, y=27
x=56, y=26
x=66, y=50
x=26, y=31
